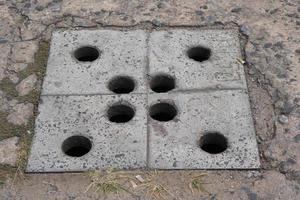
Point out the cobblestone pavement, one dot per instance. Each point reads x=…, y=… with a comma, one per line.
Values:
x=271, y=39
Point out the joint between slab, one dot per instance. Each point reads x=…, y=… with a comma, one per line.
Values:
x=89, y=94
x=147, y=98
x=206, y=90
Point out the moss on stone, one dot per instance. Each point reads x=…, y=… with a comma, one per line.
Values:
x=8, y=88
x=38, y=68
x=24, y=132
x=40, y=62
x=32, y=97
x=9, y=130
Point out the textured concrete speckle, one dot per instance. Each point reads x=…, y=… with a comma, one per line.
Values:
x=204, y=62
x=121, y=53
x=112, y=144
x=226, y=112
x=168, y=54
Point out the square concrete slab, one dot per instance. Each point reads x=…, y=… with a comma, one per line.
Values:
x=99, y=106
x=69, y=126
x=211, y=130
x=83, y=62
x=197, y=59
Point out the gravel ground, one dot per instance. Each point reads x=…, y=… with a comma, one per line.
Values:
x=270, y=33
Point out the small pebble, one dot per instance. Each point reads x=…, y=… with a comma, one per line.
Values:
x=283, y=119
x=253, y=174
x=245, y=29
x=236, y=10
x=268, y=45
x=199, y=12
x=251, y=71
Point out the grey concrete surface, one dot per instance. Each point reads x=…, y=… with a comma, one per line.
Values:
x=168, y=54
x=113, y=145
x=209, y=96
x=175, y=144
x=121, y=53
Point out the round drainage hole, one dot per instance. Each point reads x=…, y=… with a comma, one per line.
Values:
x=121, y=85
x=120, y=113
x=162, y=83
x=163, y=112
x=86, y=54
x=213, y=143
x=76, y=146
x=199, y=53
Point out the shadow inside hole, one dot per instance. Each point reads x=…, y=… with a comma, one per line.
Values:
x=199, y=53
x=121, y=85
x=162, y=112
x=162, y=83
x=76, y=146
x=120, y=113
x=213, y=143
x=86, y=54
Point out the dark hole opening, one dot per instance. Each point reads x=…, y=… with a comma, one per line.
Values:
x=213, y=143
x=76, y=146
x=162, y=83
x=121, y=85
x=199, y=53
x=86, y=54
x=163, y=112
x=120, y=113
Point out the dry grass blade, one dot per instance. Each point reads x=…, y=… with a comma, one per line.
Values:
x=196, y=183
x=3, y=175
x=109, y=187
x=23, y=151
x=154, y=189
x=241, y=61
x=108, y=181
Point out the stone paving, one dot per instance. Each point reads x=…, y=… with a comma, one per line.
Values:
x=270, y=46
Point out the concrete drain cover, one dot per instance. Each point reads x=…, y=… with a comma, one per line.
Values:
x=170, y=99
